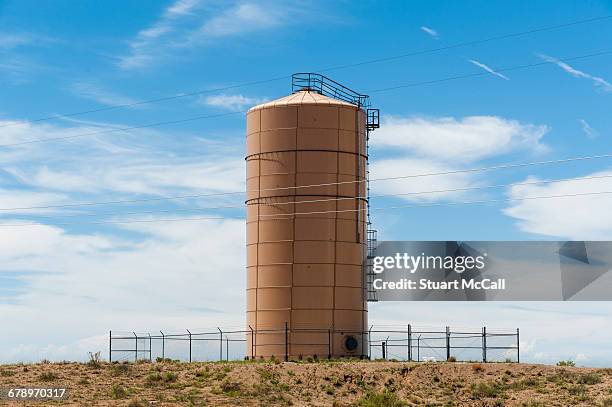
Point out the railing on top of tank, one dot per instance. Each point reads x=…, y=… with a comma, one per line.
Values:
x=328, y=87
x=398, y=343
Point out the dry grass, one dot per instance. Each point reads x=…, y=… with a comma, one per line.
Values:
x=338, y=383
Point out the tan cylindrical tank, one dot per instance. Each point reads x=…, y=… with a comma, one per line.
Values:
x=305, y=280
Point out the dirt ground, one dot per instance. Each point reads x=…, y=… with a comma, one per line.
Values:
x=328, y=383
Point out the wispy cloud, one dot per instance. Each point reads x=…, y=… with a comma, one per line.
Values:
x=488, y=69
x=231, y=102
x=549, y=217
x=148, y=163
x=189, y=23
x=423, y=145
x=598, y=81
x=10, y=41
x=105, y=97
x=145, y=46
x=430, y=31
x=587, y=129
x=242, y=19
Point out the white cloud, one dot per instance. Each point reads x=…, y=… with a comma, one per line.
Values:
x=124, y=166
x=418, y=145
x=579, y=218
x=192, y=23
x=587, y=129
x=86, y=279
x=393, y=167
x=105, y=97
x=488, y=69
x=430, y=31
x=176, y=274
x=464, y=140
x=231, y=102
x=11, y=40
x=598, y=81
x=544, y=336
x=243, y=18
x=145, y=47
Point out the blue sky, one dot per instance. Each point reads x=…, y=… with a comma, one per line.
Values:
x=74, y=279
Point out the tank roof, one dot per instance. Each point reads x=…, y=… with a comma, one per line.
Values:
x=303, y=97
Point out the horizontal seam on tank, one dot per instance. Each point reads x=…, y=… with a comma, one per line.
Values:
x=300, y=103
x=317, y=264
x=309, y=309
x=309, y=218
x=318, y=201
x=299, y=150
x=302, y=285
x=301, y=240
x=299, y=172
x=301, y=127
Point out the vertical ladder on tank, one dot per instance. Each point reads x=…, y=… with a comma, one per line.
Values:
x=373, y=122
x=370, y=275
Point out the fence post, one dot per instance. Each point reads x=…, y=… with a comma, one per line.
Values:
x=220, y=344
x=189, y=344
x=135, y=347
x=409, y=343
x=226, y=348
x=448, y=348
x=110, y=346
x=383, y=346
x=286, y=341
x=518, y=350
x=419, y=348
x=252, y=343
x=163, y=345
x=370, y=342
x=150, y=349
x=329, y=343
x=484, y=344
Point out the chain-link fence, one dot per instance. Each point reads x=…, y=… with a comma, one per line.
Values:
x=399, y=343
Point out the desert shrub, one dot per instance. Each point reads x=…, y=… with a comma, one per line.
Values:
x=7, y=373
x=487, y=390
x=577, y=390
x=48, y=376
x=607, y=402
x=385, y=399
x=122, y=369
x=94, y=360
x=137, y=403
x=452, y=359
x=477, y=368
x=154, y=378
x=170, y=377
x=566, y=363
x=231, y=388
x=589, y=378
x=118, y=392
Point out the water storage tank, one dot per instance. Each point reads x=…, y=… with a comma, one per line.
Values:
x=306, y=227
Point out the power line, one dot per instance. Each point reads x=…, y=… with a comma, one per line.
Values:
x=484, y=73
x=334, y=68
x=116, y=130
x=202, y=117
x=468, y=170
x=283, y=216
x=474, y=42
x=308, y=201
